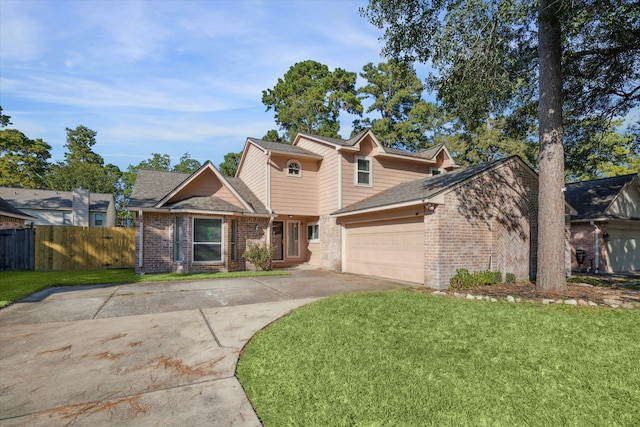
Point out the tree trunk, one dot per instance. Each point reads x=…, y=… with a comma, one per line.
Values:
x=551, y=273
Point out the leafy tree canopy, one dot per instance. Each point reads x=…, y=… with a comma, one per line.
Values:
x=229, y=166
x=23, y=161
x=485, y=54
x=310, y=98
x=4, y=120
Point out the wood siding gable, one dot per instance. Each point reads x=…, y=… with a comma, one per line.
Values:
x=252, y=170
x=207, y=181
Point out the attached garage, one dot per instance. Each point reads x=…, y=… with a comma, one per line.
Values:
x=422, y=231
x=392, y=249
x=623, y=247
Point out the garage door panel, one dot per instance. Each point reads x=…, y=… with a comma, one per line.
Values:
x=623, y=250
x=392, y=250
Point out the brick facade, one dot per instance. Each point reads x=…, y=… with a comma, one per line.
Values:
x=486, y=223
x=583, y=236
x=331, y=243
x=158, y=246
x=10, y=223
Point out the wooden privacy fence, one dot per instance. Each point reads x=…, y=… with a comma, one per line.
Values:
x=16, y=249
x=84, y=248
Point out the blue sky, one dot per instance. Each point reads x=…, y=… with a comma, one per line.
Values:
x=166, y=76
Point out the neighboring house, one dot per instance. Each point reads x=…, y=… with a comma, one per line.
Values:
x=50, y=207
x=607, y=224
x=11, y=218
x=350, y=205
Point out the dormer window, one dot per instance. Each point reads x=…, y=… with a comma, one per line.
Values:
x=293, y=168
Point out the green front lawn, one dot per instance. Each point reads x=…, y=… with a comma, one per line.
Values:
x=405, y=358
x=15, y=285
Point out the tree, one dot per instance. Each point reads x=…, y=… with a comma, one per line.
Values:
x=397, y=98
x=229, y=166
x=83, y=167
x=4, y=120
x=187, y=164
x=492, y=65
x=273, y=136
x=310, y=98
x=23, y=161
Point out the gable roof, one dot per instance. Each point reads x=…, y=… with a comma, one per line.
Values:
x=6, y=209
x=280, y=147
x=593, y=198
x=25, y=198
x=420, y=190
x=353, y=144
x=152, y=187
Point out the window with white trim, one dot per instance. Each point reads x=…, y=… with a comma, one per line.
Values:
x=313, y=232
x=363, y=171
x=293, y=239
x=294, y=168
x=66, y=218
x=98, y=220
x=207, y=239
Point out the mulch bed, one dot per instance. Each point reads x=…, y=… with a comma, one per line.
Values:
x=528, y=291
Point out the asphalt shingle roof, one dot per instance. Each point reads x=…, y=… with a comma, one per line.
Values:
x=151, y=186
x=9, y=210
x=420, y=189
x=280, y=147
x=24, y=198
x=592, y=198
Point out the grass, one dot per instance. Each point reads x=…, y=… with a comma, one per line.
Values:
x=15, y=285
x=403, y=358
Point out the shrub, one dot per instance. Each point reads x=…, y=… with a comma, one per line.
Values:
x=487, y=277
x=510, y=278
x=463, y=279
x=258, y=255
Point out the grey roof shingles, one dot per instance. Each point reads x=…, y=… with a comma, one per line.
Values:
x=420, y=189
x=24, y=198
x=280, y=147
x=152, y=186
x=7, y=209
x=592, y=198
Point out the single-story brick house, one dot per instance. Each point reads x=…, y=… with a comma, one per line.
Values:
x=79, y=207
x=12, y=218
x=606, y=227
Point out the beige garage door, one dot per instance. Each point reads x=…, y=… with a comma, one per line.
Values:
x=623, y=249
x=389, y=249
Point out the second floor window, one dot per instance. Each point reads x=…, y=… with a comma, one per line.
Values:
x=66, y=218
x=363, y=171
x=293, y=168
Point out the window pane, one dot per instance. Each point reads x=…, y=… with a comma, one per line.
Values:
x=363, y=177
x=363, y=165
x=293, y=239
x=205, y=252
x=207, y=230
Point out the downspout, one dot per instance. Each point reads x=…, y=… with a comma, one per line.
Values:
x=140, y=241
x=339, y=178
x=596, y=246
x=268, y=182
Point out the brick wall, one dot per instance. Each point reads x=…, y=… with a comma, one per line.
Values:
x=158, y=250
x=583, y=237
x=486, y=223
x=331, y=243
x=9, y=223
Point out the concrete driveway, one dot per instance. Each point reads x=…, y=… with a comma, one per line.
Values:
x=153, y=354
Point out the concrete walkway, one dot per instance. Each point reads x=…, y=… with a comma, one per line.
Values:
x=153, y=354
